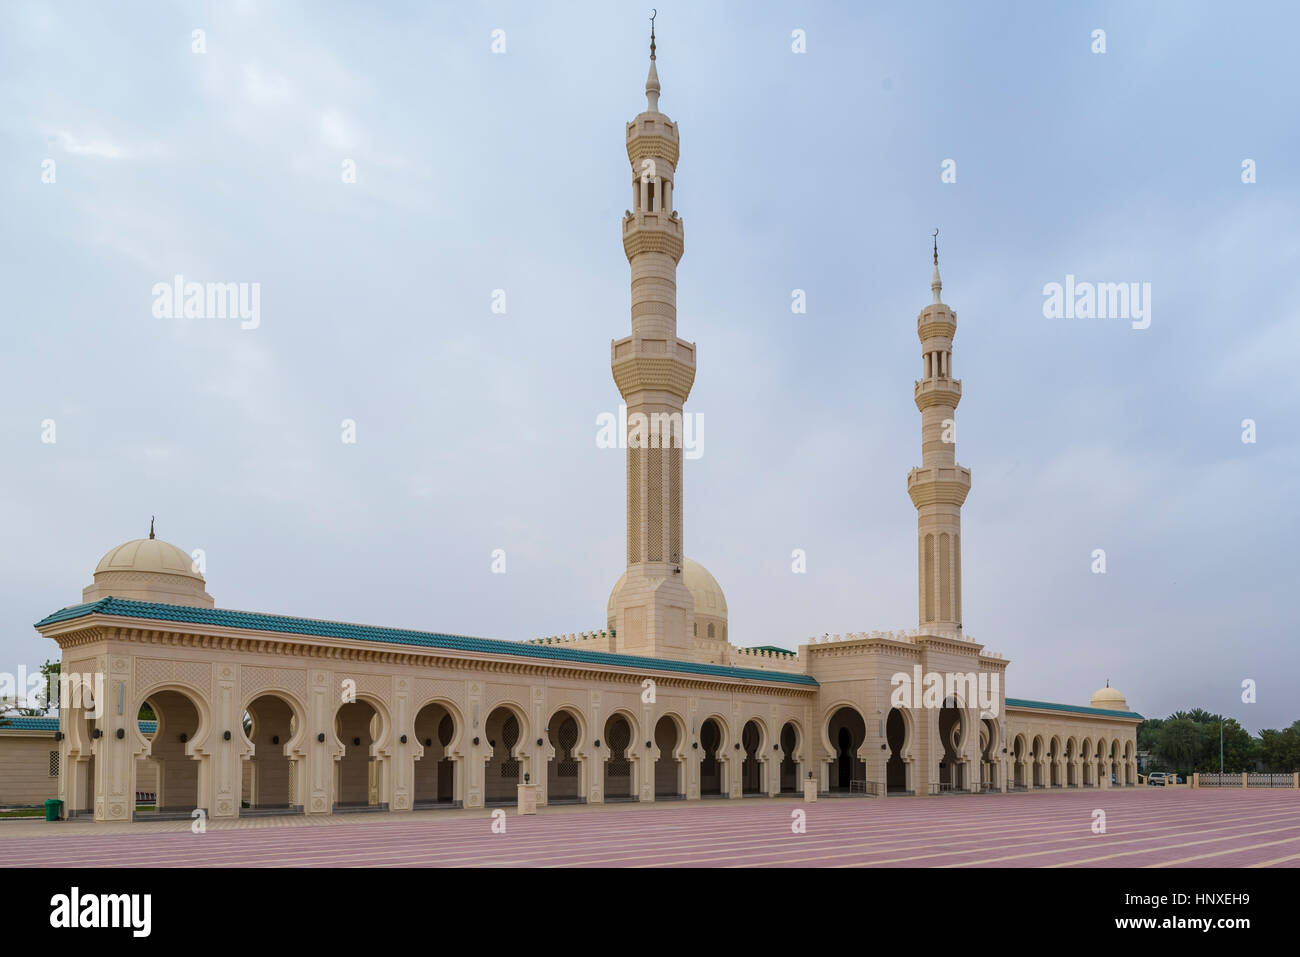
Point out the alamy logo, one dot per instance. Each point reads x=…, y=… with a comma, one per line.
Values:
x=1101, y=300
x=933, y=689
x=36, y=690
x=179, y=299
x=658, y=430
x=73, y=910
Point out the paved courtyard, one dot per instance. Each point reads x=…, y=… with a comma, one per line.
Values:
x=1146, y=827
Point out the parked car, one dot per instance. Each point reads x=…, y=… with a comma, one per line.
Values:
x=1156, y=779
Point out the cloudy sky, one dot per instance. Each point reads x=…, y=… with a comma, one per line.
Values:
x=820, y=171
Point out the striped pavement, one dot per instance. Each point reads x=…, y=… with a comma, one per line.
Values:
x=1147, y=827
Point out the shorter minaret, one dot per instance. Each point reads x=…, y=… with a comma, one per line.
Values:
x=939, y=487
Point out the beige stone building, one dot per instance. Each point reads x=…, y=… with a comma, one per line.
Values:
x=265, y=714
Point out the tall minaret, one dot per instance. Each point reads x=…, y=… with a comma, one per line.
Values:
x=939, y=487
x=654, y=370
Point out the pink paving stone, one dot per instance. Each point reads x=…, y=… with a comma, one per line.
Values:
x=1145, y=827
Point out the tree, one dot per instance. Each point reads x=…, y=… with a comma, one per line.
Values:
x=1181, y=742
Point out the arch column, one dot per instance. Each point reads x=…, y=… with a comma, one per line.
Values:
x=322, y=747
x=221, y=776
x=971, y=756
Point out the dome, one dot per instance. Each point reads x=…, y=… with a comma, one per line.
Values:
x=704, y=589
x=1111, y=699
x=148, y=569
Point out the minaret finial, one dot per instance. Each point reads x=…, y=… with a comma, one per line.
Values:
x=652, y=80
x=151, y=526
x=935, y=284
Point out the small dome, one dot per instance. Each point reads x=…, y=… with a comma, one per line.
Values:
x=1111, y=699
x=148, y=569
x=704, y=589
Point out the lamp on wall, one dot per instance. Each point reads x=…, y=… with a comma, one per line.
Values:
x=356, y=742
x=226, y=736
x=403, y=739
x=121, y=733
x=598, y=742
x=321, y=737
x=428, y=742
x=184, y=737
x=539, y=742
x=97, y=733
x=275, y=739
x=58, y=735
x=476, y=742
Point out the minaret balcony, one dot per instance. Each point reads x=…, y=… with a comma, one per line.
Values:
x=936, y=321
x=653, y=232
x=653, y=136
x=938, y=485
x=654, y=365
x=929, y=393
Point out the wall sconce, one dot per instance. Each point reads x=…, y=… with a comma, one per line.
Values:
x=184, y=737
x=647, y=744
x=491, y=743
x=356, y=742
x=97, y=733
x=226, y=736
x=526, y=777
x=58, y=735
x=695, y=745
x=539, y=742
x=737, y=745
x=121, y=733
x=321, y=737
x=598, y=742
x=275, y=739
x=403, y=739
x=776, y=747
x=476, y=742
x=884, y=747
x=428, y=742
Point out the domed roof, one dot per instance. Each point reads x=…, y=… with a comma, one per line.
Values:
x=148, y=555
x=148, y=569
x=704, y=589
x=1112, y=699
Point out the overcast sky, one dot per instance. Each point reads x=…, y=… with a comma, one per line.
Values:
x=820, y=171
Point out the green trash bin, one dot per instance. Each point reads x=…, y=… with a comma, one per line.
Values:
x=53, y=809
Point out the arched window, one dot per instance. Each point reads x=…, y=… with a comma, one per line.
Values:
x=710, y=629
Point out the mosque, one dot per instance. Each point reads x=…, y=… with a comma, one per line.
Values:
x=258, y=714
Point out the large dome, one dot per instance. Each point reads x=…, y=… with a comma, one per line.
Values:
x=707, y=594
x=1112, y=699
x=148, y=569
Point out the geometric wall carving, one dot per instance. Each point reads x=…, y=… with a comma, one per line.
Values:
x=422, y=689
x=156, y=671
x=377, y=686
x=257, y=679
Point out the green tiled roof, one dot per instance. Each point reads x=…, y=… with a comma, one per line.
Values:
x=1077, y=709
x=398, y=636
x=52, y=724
x=779, y=651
